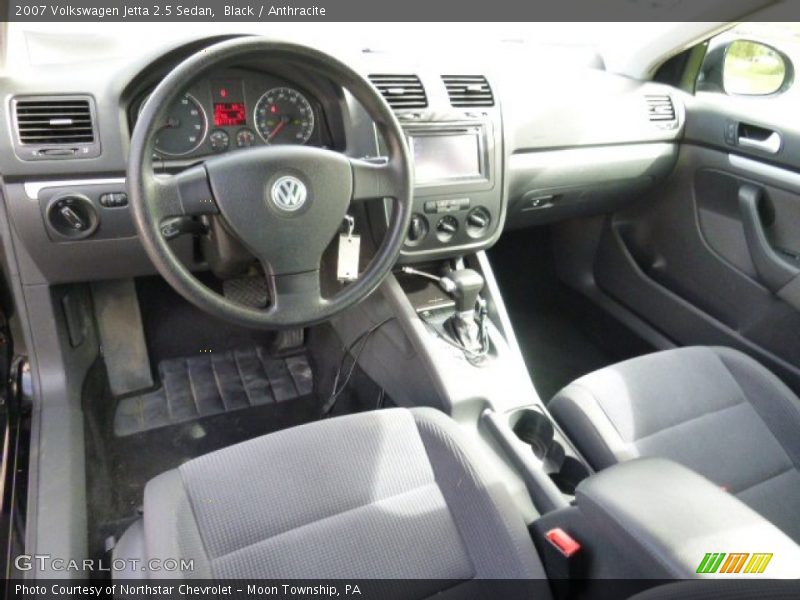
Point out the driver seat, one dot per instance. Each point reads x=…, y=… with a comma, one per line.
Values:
x=390, y=494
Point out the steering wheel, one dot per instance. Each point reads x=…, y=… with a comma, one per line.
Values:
x=284, y=203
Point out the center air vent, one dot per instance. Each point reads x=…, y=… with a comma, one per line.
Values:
x=50, y=127
x=467, y=91
x=401, y=91
x=661, y=110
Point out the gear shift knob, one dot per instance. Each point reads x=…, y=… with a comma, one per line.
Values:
x=467, y=284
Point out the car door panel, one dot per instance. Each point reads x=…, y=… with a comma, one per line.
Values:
x=682, y=260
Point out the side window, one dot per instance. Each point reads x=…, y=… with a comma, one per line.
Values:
x=752, y=59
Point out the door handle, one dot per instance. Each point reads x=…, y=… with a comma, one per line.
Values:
x=770, y=144
x=773, y=270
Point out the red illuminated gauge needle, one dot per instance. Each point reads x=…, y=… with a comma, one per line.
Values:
x=278, y=127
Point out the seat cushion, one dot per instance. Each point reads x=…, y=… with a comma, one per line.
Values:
x=388, y=494
x=715, y=410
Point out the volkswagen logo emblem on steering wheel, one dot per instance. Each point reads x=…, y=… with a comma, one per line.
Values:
x=289, y=193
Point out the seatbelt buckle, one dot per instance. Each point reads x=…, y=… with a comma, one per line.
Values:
x=563, y=542
x=563, y=560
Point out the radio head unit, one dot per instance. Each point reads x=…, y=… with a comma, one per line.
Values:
x=458, y=187
x=448, y=155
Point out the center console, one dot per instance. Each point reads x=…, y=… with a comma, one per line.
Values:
x=458, y=191
x=455, y=136
x=422, y=356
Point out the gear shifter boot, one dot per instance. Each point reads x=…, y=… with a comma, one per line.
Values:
x=465, y=332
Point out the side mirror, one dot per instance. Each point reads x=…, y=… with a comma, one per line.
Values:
x=754, y=69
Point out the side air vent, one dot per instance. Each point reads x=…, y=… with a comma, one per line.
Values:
x=401, y=91
x=52, y=127
x=467, y=91
x=661, y=110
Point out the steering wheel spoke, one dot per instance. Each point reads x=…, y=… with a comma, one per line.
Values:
x=374, y=180
x=185, y=194
x=295, y=293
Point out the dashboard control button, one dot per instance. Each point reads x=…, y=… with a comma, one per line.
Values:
x=447, y=205
x=114, y=200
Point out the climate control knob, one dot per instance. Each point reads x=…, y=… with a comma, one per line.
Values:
x=446, y=228
x=478, y=220
x=417, y=230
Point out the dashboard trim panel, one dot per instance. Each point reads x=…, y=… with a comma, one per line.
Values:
x=32, y=188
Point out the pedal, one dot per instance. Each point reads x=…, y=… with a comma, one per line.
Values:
x=250, y=290
x=287, y=341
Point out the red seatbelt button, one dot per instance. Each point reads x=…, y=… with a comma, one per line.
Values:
x=565, y=543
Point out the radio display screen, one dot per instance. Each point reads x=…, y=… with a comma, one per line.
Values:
x=446, y=157
x=229, y=114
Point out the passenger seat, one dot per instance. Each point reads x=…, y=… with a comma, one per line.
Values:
x=715, y=410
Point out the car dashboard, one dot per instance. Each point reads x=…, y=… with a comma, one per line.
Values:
x=492, y=148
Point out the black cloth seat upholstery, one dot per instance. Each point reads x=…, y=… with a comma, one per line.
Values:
x=390, y=494
x=714, y=410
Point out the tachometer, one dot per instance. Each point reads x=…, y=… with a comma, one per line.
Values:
x=284, y=116
x=185, y=128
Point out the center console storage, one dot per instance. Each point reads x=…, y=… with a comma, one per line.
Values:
x=651, y=518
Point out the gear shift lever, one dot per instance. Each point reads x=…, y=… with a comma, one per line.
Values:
x=466, y=286
x=465, y=330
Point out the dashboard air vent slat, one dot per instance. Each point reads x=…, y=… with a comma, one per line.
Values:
x=401, y=91
x=660, y=108
x=54, y=122
x=467, y=91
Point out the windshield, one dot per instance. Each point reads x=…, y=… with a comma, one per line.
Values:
x=44, y=43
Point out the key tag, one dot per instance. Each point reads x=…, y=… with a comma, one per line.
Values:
x=349, y=249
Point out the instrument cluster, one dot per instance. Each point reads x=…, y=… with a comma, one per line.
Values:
x=237, y=109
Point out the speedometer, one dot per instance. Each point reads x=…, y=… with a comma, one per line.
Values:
x=184, y=130
x=284, y=116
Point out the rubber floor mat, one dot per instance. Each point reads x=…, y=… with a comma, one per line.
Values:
x=212, y=384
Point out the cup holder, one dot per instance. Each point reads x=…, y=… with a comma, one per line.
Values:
x=536, y=430
x=571, y=473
